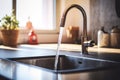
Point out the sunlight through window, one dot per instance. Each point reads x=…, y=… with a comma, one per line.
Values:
x=41, y=13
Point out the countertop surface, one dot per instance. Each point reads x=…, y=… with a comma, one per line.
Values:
x=17, y=71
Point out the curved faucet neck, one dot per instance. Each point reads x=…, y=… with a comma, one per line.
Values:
x=62, y=24
x=84, y=31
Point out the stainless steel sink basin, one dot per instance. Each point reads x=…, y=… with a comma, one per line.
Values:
x=66, y=63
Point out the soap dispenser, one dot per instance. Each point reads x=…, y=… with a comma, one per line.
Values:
x=32, y=37
x=103, y=38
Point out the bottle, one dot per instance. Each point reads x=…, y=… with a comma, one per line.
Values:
x=100, y=35
x=29, y=25
x=32, y=38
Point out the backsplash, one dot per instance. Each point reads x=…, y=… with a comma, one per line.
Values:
x=102, y=13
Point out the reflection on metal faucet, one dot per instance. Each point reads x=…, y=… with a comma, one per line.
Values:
x=84, y=31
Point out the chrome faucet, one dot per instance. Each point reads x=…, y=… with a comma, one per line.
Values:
x=84, y=37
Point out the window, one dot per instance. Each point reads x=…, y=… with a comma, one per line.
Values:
x=41, y=13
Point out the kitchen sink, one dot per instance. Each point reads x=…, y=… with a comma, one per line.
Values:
x=66, y=63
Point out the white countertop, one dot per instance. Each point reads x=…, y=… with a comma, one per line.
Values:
x=66, y=47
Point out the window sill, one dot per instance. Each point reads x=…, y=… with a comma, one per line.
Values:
x=44, y=36
x=24, y=31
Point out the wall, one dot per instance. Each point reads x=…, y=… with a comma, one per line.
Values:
x=102, y=13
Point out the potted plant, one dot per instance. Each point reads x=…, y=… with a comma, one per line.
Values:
x=10, y=30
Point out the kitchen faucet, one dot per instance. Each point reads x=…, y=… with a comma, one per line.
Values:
x=84, y=31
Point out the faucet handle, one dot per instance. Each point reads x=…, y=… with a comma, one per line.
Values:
x=89, y=43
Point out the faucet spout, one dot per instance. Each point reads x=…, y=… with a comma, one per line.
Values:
x=84, y=31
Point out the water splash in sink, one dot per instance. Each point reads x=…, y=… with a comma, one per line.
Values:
x=58, y=47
